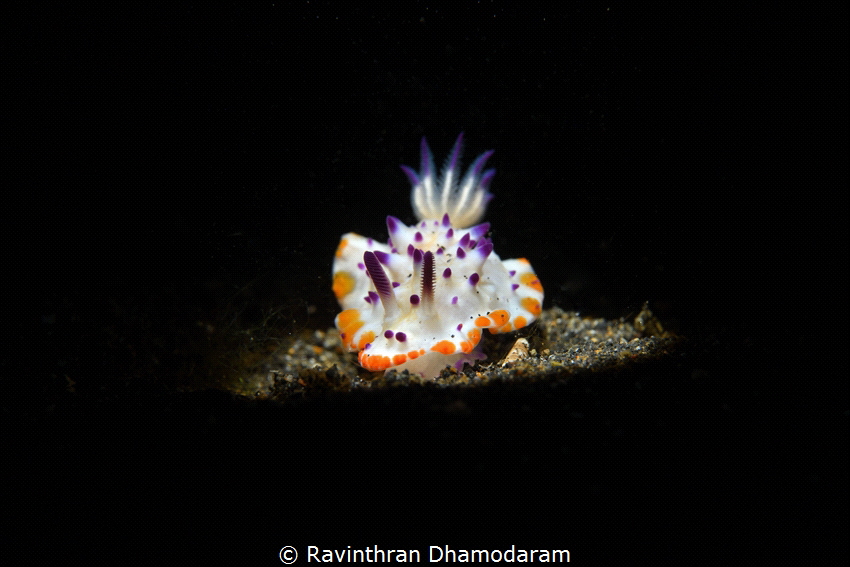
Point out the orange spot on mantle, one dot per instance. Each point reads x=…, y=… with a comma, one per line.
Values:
x=445, y=347
x=343, y=284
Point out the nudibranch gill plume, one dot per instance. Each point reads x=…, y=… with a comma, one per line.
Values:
x=421, y=301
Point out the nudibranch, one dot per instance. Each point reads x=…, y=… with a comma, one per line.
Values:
x=421, y=301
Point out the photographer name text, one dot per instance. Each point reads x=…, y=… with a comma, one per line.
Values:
x=435, y=554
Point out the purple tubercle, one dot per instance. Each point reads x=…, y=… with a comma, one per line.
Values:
x=400, y=337
x=417, y=237
x=428, y=276
x=388, y=334
x=473, y=279
x=392, y=224
x=370, y=242
x=480, y=230
x=414, y=299
x=376, y=272
x=447, y=273
x=464, y=240
x=514, y=287
x=383, y=257
x=459, y=326
x=439, y=251
x=446, y=221
x=396, y=284
x=417, y=255
x=361, y=265
x=450, y=233
x=512, y=273
x=454, y=300
x=373, y=297
x=485, y=249
x=410, y=249
x=423, y=224
x=461, y=254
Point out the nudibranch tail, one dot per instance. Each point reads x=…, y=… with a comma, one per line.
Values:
x=464, y=200
x=422, y=301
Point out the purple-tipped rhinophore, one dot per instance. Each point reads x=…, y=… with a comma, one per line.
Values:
x=428, y=276
x=376, y=272
x=382, y=257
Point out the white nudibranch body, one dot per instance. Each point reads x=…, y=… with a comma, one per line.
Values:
x=421, y=301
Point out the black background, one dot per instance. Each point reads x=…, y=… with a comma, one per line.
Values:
x=172, y=163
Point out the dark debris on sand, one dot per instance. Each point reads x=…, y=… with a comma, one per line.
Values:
x=560, y=344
